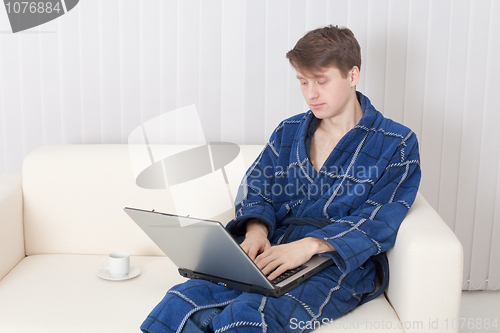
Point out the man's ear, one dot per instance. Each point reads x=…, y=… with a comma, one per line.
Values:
x=354, y=76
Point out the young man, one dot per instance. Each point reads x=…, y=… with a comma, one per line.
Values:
x=335, y=181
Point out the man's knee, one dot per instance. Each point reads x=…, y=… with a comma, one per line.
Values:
x=248, y=311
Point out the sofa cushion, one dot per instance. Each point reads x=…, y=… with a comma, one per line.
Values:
x=74, y=197
x=62, y=293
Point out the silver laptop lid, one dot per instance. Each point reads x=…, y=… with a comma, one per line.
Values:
x=199, y=245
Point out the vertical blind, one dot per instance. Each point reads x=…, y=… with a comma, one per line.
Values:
x=96, y=73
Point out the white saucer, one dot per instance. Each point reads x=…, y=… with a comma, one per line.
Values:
x=104, y=273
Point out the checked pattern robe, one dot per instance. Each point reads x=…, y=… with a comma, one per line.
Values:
x=356, y=202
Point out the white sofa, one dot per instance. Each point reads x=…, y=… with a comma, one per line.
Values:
x=64, y=213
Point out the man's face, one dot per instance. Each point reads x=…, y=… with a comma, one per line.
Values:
x=327, y=93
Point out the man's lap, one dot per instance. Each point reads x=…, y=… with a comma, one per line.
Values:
x=317, y=298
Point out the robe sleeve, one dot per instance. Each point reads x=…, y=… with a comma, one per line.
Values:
x=372, y=228
x=254, y=197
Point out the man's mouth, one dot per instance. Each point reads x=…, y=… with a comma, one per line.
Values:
x=317, y=105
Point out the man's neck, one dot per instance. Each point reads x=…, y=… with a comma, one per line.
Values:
x=344, y=122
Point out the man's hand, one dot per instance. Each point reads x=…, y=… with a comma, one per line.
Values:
x=280, y=258
x=256, y=241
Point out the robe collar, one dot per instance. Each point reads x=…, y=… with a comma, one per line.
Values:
x=300, y=148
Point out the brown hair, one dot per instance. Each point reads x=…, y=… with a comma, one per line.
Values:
x=330, y=46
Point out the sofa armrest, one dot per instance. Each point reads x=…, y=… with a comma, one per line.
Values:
x=11, y=222
x=426, y=272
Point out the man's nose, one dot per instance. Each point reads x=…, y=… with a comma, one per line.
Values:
x=312, y=91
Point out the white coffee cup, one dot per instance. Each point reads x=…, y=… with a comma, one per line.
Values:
x=118, y=264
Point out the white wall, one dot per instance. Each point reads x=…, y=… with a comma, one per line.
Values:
x=96, y=73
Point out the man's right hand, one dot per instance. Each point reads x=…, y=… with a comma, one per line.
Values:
x=256, y=240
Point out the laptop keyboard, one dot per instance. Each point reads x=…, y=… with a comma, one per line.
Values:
x=287, y=274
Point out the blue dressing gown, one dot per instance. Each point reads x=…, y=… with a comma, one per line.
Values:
x=356, y=202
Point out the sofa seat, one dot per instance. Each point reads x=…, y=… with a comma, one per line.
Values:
x=64, y=288
x=63, y=293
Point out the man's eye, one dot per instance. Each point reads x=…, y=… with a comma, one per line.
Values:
x=321, y=82
x=303, y=83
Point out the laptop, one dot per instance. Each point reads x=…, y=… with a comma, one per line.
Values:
x=203, y=249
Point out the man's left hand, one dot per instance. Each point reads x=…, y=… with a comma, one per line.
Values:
x=280, y=258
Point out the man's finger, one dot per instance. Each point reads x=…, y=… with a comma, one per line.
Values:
x=277, y=272
x=244, y=247
x=269, y=264
x=252, y=252
x=262, y=256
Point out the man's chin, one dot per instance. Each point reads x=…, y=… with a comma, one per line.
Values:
x=320, y=114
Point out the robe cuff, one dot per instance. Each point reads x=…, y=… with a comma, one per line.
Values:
x=351, y=250
x=237, y=226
